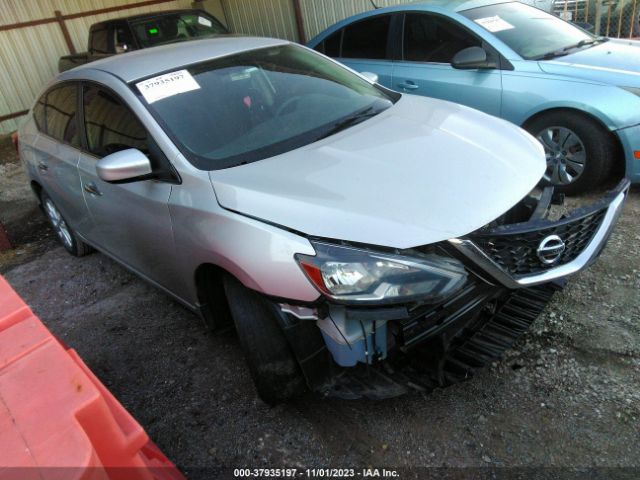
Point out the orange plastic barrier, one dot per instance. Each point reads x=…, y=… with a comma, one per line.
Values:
x=57, y=421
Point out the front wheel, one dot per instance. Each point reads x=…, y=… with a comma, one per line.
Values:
x=579, y=152
x=274, y=369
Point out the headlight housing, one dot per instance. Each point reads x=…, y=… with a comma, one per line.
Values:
x=364, y=277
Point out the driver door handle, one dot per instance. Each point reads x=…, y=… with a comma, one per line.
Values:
x=92, y=189
x=408, y=85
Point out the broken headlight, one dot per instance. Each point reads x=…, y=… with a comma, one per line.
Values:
x=353, y=275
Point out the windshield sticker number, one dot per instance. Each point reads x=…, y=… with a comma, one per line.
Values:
x=168, y=85
x=494, y=24
x=204, y=21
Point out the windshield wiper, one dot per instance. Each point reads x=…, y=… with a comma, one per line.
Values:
x=350, y=121
x=567, y=49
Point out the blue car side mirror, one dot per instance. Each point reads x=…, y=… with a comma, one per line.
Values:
x=472, y=58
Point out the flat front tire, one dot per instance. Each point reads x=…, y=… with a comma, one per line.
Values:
x=274, y=369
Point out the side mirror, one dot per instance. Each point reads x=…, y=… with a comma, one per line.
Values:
x=372, y=77
x=129, y=165
x=472, y=58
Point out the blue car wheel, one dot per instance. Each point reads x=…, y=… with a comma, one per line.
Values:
x=580, y=152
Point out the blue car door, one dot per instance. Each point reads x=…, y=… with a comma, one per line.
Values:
x=429, y=43
x=363, y=46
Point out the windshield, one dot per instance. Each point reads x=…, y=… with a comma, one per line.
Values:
x=175, y=27
x=257, y=104
x=530, y=32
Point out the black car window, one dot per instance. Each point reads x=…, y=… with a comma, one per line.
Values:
x=174, y=27
x=61, y=116
x=429, y=38
x=99, y=41
x=109, y=124
x=124, y=38
x=331, y=45
x=366, y=38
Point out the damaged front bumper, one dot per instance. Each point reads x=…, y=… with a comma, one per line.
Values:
x=515, y=264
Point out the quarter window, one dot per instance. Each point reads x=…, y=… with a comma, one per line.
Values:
x=110, y=125
x=434, y=39
x=366, y=38
x=60, y=115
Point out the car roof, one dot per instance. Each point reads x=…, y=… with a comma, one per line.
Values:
x=142, y=16
x=454, y=5
x=143, y=63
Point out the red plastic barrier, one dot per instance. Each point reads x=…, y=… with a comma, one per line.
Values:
x=57, y=421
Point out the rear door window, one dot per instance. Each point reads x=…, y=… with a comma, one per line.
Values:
x=109, y=124
x=60, y=114
x=365, y=39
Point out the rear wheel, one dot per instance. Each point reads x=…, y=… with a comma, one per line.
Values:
x=69, y=239
x=274, y=369
x=578, y=150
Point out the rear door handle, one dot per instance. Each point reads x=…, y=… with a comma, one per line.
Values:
x=408, y=85
x=43, y=167
x=92, y=189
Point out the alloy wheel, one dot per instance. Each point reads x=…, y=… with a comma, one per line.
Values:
x=59, y=225
x=566, y=155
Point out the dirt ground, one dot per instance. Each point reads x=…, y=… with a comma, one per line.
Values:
x=568, y=394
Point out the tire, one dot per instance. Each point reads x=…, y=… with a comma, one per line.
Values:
x=594, y=149
x=68, y=238
x=274, y=369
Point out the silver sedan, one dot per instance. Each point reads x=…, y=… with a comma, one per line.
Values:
x=363, y=242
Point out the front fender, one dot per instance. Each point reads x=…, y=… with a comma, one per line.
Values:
x=525, y=96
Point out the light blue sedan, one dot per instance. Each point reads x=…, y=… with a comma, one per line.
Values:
x=577, y=93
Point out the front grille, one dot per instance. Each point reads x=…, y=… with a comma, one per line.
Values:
x=516, y=251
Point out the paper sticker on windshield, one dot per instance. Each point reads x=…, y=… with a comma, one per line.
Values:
x=494, y=24
x=168, y=85
x=204, y=21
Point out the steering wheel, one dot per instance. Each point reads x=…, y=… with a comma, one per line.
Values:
x=287, y=103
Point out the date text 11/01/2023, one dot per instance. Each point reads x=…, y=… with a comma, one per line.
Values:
x=315, y=473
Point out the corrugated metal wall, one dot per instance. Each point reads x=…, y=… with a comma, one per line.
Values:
x=319, y=14
x=29, y=56
x=275, y=18
x=265, y=18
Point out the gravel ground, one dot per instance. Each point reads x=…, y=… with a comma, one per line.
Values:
x=567, y=395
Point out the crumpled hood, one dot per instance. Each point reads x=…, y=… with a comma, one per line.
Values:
x=614, y=62
x=423, y=171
